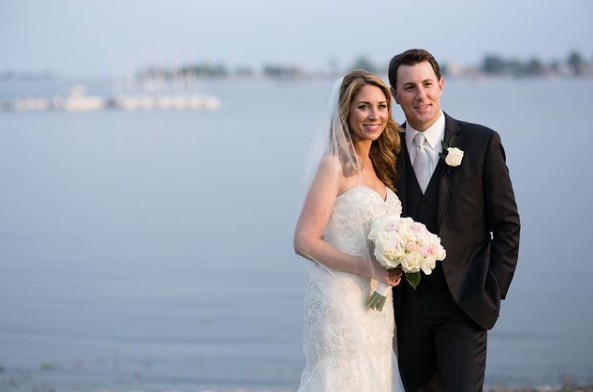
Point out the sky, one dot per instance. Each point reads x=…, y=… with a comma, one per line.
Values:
x=108, y=38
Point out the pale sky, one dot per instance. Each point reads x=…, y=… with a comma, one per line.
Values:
x=76, y=38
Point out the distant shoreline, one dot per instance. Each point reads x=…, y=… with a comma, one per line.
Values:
x=469, y=75
x=574, y=65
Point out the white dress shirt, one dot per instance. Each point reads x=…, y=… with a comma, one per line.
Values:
x=434, y=135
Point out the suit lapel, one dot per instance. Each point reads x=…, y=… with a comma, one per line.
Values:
x=400, y=184
x=451, y=133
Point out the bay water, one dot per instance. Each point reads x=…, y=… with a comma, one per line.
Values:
x=152, y=250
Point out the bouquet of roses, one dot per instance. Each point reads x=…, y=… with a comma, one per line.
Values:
x=402, y=243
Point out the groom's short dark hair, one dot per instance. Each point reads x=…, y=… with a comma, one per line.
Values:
x=411, y=57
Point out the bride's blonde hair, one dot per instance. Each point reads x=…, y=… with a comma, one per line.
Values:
x=384, y=149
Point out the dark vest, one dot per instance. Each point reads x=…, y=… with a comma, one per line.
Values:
x=424, y=208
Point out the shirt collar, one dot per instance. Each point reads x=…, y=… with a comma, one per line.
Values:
x=434, y=134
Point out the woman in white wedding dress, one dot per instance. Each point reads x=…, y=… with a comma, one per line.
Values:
x=348, y=347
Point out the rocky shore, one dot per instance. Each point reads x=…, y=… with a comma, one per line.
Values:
x=22, y=381
x=569, y=388
x=14, y=387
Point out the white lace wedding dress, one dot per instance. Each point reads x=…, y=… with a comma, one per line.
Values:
x=348, y=347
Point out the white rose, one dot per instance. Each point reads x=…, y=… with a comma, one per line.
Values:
x=454, y=156
x=411, y=262
x=428, y=265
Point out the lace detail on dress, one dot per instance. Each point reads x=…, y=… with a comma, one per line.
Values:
x=348, y=347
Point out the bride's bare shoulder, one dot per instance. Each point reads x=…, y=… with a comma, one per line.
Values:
x=329, y=173
x=330, y=167
x=330, y=163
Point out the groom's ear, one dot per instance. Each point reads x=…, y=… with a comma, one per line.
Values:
x=394, y=94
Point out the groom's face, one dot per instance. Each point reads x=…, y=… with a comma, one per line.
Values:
x=418, y=92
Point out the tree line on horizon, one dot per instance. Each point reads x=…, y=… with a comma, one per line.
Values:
x=574, y=64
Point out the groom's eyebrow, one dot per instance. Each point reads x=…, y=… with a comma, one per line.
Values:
x=412, y=84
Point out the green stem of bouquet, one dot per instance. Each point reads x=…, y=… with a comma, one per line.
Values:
x=376, y=301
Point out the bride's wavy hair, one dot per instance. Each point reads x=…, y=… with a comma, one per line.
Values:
x=384, y=149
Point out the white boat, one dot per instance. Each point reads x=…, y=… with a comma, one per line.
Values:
x=78, y=101
x=166, y=102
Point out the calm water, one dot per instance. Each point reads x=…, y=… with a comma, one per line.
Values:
x=153, y=250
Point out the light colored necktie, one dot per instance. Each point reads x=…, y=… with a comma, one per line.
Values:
x=421, y=162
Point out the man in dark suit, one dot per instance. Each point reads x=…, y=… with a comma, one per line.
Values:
x=462, y=192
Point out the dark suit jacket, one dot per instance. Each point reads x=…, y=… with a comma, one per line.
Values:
x=478, y=222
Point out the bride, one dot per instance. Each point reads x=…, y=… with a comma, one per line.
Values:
x=348, y=347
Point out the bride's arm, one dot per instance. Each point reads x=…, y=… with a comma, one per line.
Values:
x=316, y=212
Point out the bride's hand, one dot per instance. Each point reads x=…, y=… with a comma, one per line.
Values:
x=395, y=275
x=383, y=275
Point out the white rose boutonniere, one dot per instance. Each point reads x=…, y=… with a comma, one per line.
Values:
x=454, y=157
x=452, y=154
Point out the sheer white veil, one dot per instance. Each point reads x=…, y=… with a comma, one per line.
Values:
x=334, y=140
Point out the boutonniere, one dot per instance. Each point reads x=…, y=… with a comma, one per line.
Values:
x=451, y=153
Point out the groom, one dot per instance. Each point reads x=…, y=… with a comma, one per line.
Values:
x=465, y=196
